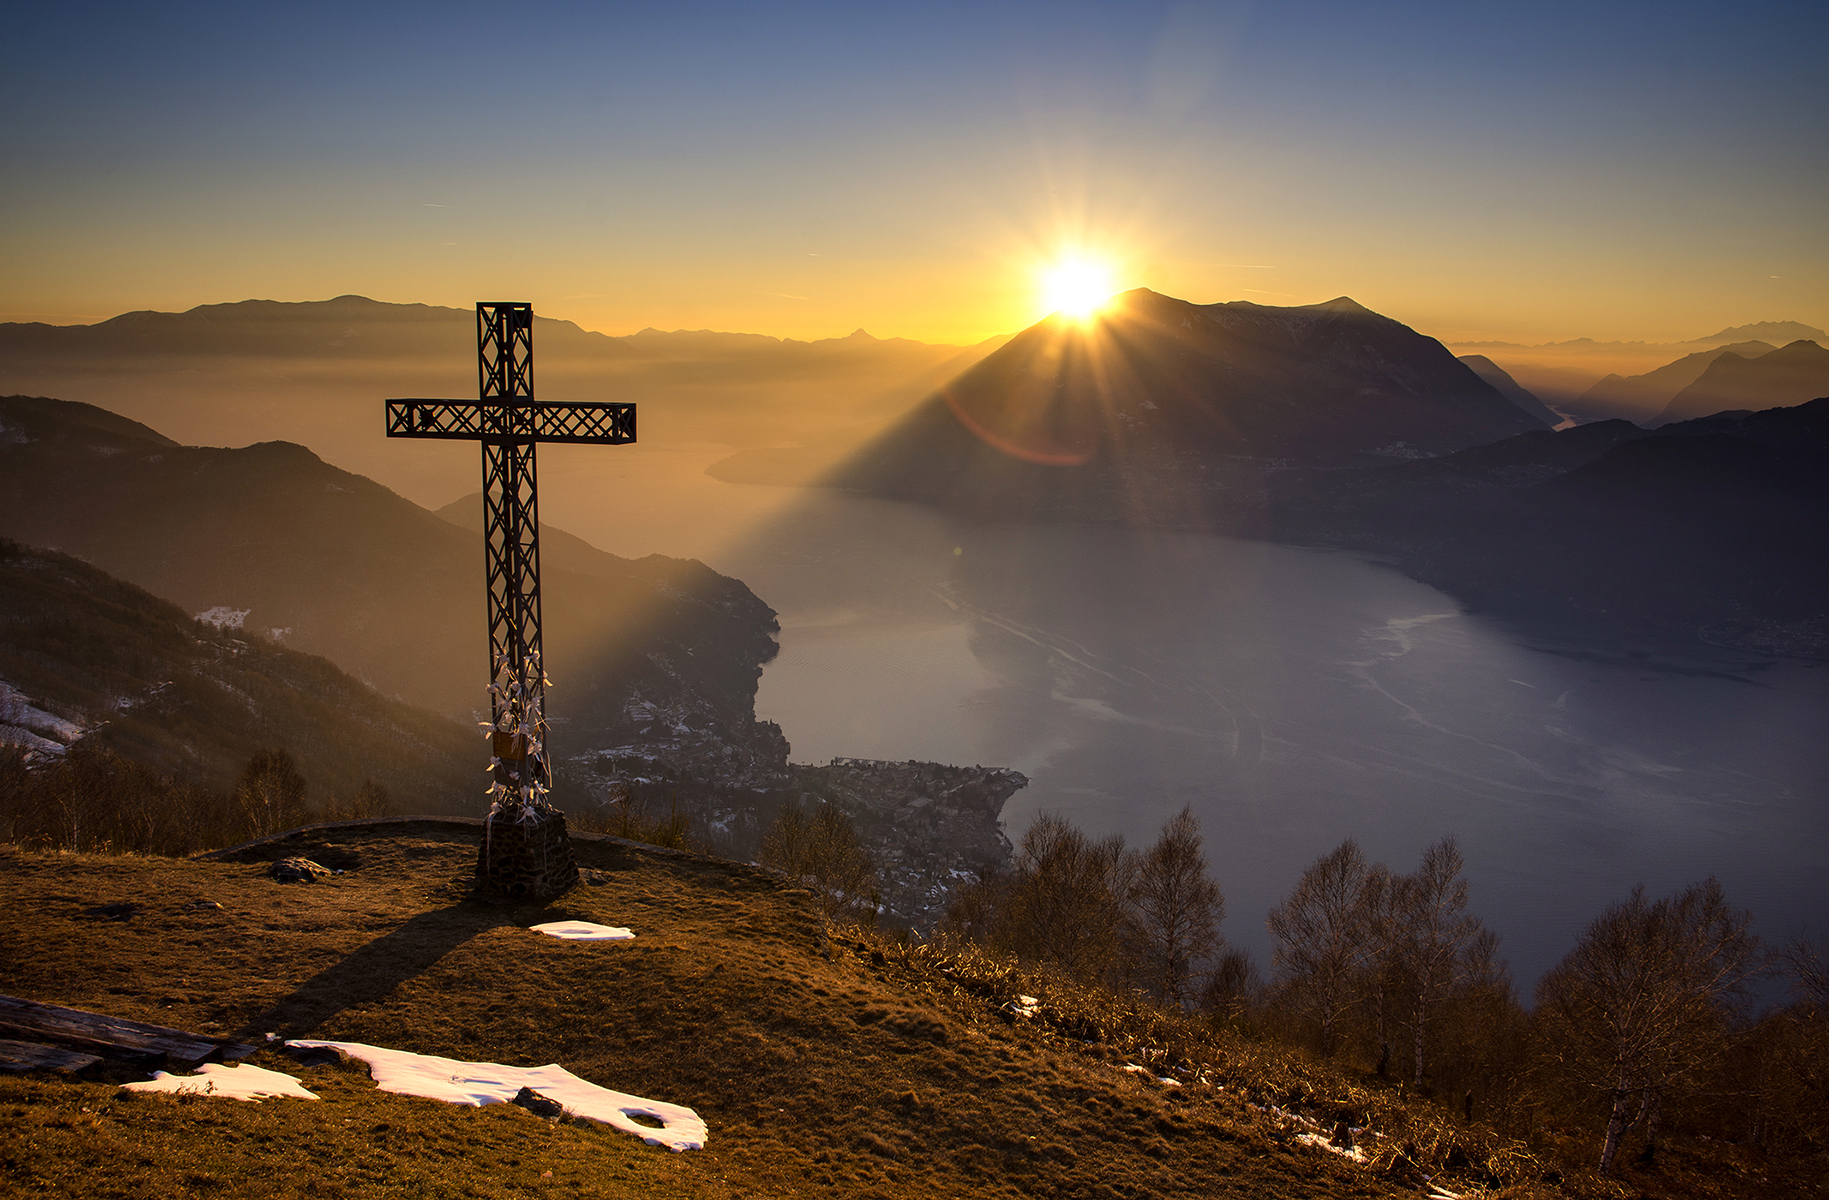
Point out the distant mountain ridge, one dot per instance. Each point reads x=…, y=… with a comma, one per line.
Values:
x=352, y=326
x=314, y=373
x=1561, y=373
x=1778, y=332
x=1783, y=331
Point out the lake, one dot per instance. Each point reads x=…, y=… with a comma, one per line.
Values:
x=1294, y=697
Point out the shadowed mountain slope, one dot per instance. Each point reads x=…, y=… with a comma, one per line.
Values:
x=1508, y=387
x=1713, y=526
x=123, y=669
x=1113, y=420
x=335, y=564
x=1789, y=375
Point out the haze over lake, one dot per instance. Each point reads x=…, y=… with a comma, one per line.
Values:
x=1293, y=696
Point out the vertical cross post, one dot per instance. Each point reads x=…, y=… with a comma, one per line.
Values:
x=511, y=554
x=526, y=853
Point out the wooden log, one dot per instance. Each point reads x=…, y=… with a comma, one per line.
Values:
x=111, y=1037
x=17, y=1057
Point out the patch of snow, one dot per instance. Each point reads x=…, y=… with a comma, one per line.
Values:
x=26, y=740
x=1356, y=1154
x=23, y=724
x=224, y=617
x=238, y=1082
x=583, y=931
x=1284, y=1114
x=1164, y=1080
x=277, y=633
x=477, y=1084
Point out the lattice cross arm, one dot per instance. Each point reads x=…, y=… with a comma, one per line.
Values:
x=467, y=420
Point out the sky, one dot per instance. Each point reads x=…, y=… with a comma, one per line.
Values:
x=1522, y=172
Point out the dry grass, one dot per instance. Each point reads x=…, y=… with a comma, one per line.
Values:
x=840, y=1066
x=1295, y=1094
x=92, y=1140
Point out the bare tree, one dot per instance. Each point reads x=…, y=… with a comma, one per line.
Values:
x=1436, y=937
x=1803, y=965
x=1639, y=1008
x=1323, y=940
x=1062, y=903
x=1386, y=977
x=976, y=907
x=1174, y=910
x=271, y=793
x=821, y=851
x=1234, y=987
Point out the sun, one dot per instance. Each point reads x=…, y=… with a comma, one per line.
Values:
x=1076, y=287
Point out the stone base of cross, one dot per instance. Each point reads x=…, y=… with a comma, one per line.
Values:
x=526, y=852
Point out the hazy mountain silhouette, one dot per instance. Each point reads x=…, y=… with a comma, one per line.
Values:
x=1643, y=397
x=1777, y=332
x=314, y=373
x=1508, y=387
x=355, y=327
x=1789, y=375
x=335, y=564
x=1134, y=416
x=1560, y=373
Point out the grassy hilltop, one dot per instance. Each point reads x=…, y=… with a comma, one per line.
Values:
x=826, y=1061
x=823, y=1065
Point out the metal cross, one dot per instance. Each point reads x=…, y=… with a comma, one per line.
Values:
x=511, y=424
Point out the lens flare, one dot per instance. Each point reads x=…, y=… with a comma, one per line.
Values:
x=1077, y=287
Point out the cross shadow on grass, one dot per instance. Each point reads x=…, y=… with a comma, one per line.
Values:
x=369, y=973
